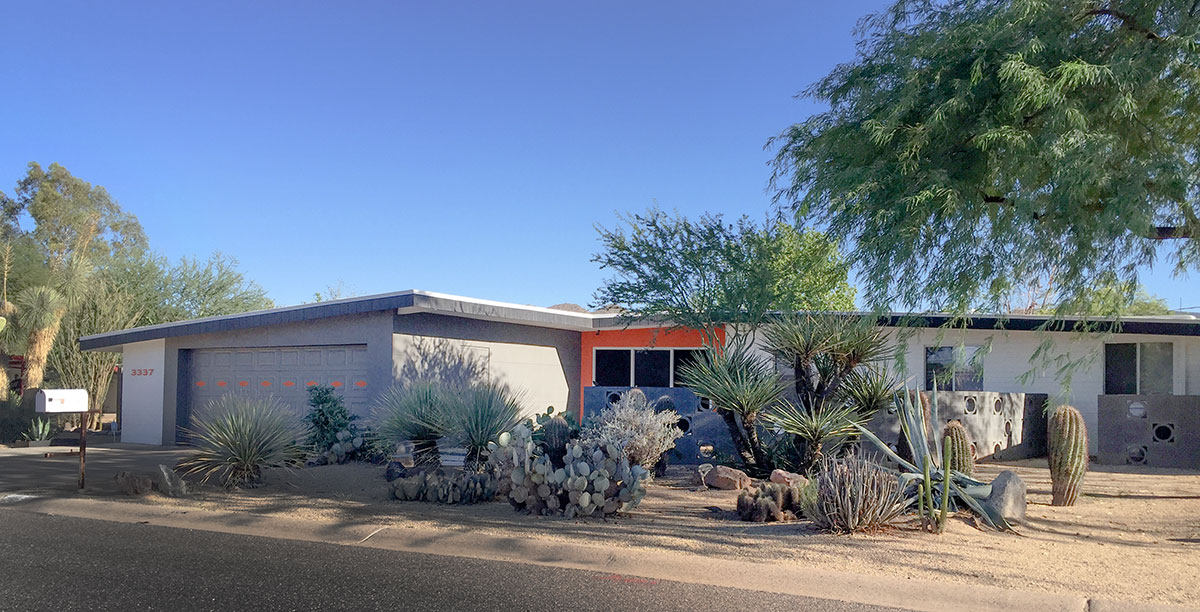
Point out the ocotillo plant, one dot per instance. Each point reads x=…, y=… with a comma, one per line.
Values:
x=960, y=446
x=1068, y=445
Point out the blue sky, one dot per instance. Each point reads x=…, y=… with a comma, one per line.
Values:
x=458, y=147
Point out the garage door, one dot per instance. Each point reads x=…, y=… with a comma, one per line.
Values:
x=284, y=372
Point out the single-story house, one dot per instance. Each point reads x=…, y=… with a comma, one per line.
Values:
x=362, y=345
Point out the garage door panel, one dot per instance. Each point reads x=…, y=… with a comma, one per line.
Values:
x=285, y=373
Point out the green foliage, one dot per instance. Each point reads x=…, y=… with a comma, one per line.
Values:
x=741, y=386
x=816, y=428
x=1068, y=445
x=326, y=417
x=188, y=289
x=13, y=418
x=852, y=494
x=102, y=307
x=39, y=430
x=236, y=438
x=971, y=145
x=481, y=412
x=414, y=412
x=703, y=273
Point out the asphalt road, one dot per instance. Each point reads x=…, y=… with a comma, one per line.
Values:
x=64, y=564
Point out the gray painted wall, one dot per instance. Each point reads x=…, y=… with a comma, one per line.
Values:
x=565, y=342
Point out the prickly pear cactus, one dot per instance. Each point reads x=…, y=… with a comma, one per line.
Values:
x=584, y=482
x=962, y=456
x=1068, y=445
x=445, y=487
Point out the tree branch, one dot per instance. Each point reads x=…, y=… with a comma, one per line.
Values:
x=1161, y=232
x=1127, y=20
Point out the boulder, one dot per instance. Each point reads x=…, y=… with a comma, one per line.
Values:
x=790, y=479
x=1008, y=496
x=725, y=477
x=169, y=483
x=395, y=470
x=133, y=484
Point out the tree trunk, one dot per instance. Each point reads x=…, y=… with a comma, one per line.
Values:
x=762, y=463
x=40, y=342
x=739, y=440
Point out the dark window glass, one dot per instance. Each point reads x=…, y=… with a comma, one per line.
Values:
x=612, y=368
x=1120, y=369
x=954, y=368
x=652, y=369
x=682, y=357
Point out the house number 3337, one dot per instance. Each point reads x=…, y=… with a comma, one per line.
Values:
x=141, y=371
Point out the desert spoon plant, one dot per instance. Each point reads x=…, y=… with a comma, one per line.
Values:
x=1068, y=446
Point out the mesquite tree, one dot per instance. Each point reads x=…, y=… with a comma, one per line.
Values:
x=974, y=144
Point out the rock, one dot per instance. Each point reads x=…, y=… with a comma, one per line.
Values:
x=316, y=460
x=1008, y=496
x=725, y=477
x=169, y=483
x=395, y=470
x=133, y=484
x=790, y=479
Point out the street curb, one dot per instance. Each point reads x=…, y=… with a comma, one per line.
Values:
x=641, y=562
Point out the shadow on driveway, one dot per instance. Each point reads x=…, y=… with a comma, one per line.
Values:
x=26, y=470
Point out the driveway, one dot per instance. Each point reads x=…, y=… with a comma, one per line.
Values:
x=25, y=470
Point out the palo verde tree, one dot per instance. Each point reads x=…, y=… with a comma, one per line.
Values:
x=972, y=144
x=702, y=274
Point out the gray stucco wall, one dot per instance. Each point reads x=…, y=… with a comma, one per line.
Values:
x=373, y=329
x=565, y=342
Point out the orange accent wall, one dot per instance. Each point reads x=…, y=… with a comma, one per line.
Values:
x=654, y=337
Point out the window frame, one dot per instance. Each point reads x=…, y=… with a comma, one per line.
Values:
x=633, y=360
x=1137, y=366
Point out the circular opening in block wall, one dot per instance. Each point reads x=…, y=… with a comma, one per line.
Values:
x=970, y=407
x=998, y=406
x=665, y=403
x=684, y=424
x=1164, y=432
x=705, y=404
x=1008, y=428
x=996, y=451
x=1137, y=410
x=1136, y=455
x=707, y=450
x=614, y=397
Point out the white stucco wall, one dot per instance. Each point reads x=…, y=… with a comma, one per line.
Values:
x=536, y=372
x=142, y=374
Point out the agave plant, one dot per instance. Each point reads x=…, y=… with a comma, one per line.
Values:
x=236, y=438
x=478, y=414
x=416, y=412
x=39, y=430
x=741, y=387
x=923, y=481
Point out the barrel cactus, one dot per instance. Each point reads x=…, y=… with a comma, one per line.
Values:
x=556, y=433
x=962, y=456
x=1068, y=444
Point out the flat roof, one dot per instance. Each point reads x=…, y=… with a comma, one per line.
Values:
x=414, y=300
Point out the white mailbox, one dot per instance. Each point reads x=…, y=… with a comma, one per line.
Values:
x=62, y=400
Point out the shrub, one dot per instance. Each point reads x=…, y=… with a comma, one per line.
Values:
x=235, y=438
x=852, y=494
x=327, y=416
x=478, y=414
x=414, y=412
x=634, y=425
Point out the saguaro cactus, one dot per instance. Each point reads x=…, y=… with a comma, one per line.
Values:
x=1068, y=444
x=961, y=458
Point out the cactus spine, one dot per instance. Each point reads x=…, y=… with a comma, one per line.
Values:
x=1068, y=444
x=960, y=457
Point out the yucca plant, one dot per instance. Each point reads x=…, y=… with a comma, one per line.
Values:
x=478, y=414
x=823, y=351
x=741, y=387
x=418, y=412
x=923, y=480
x=827, y=425
x=236, y=438
x=42, y=310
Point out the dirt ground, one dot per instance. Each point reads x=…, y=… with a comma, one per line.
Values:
x=1134, y=535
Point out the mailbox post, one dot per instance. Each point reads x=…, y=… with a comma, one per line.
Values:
x=67, y=401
